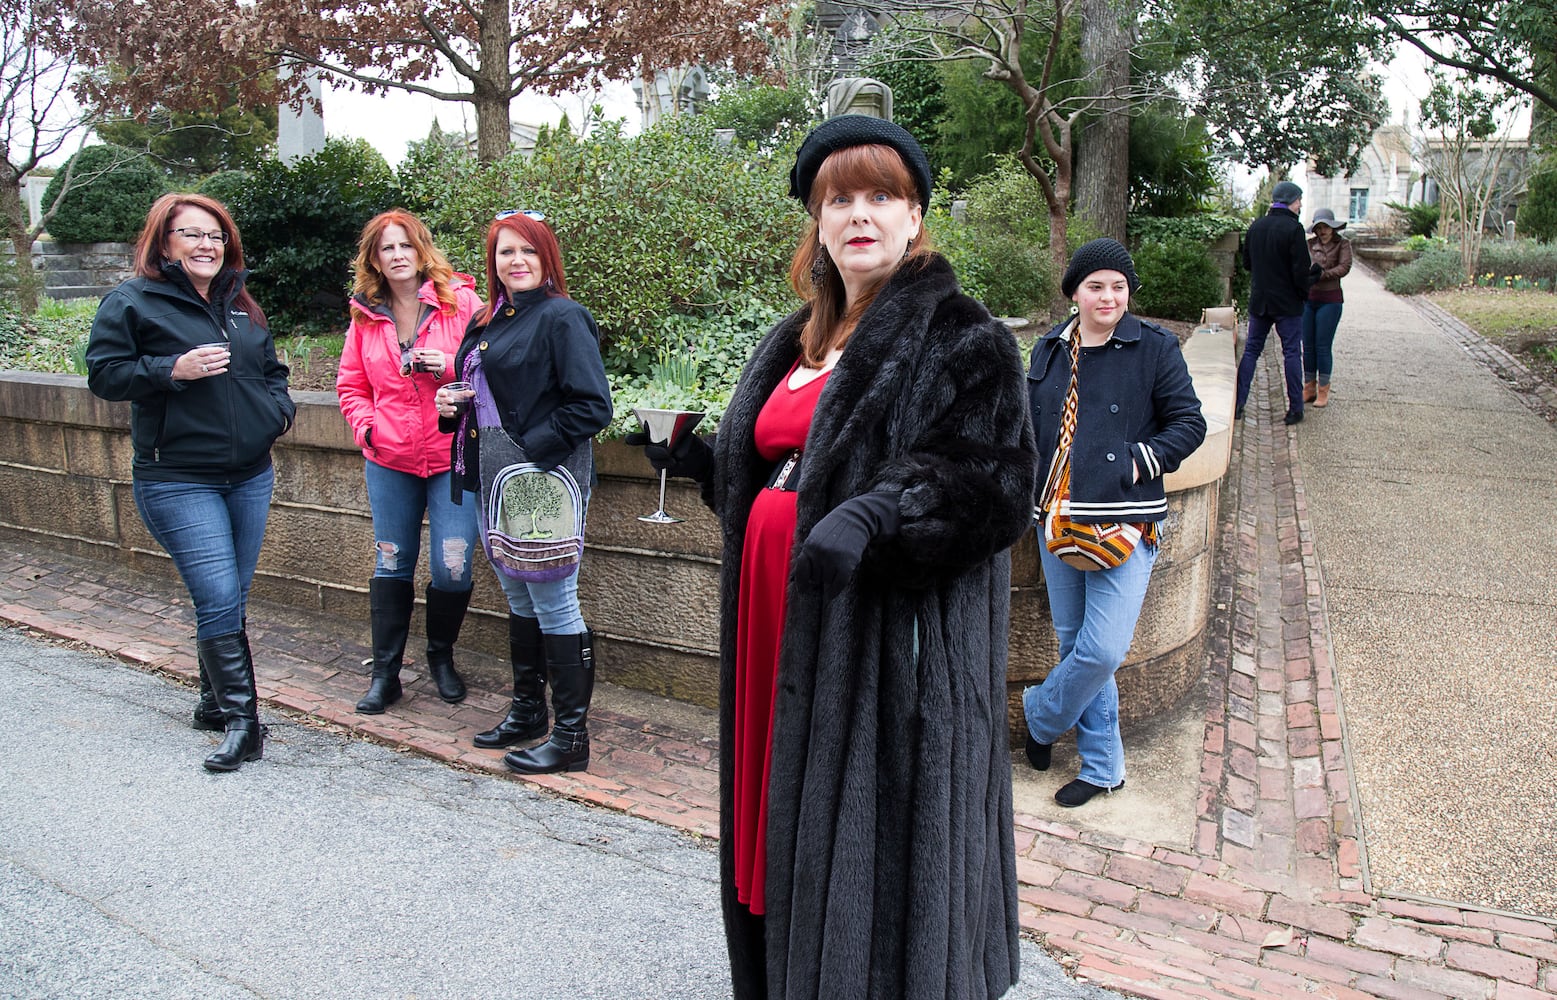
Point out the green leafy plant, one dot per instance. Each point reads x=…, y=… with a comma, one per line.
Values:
x=1178, y=279
x=1204, y=228
x=1437, y=269
x=1420, y=243
x=1000, y=249
x=1538, y=215
x=111, y=188
x=52, y=340
x=1420, y=219
x=1526, y=261
x=300, y=223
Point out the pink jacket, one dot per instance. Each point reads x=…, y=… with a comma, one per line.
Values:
x=399, y=409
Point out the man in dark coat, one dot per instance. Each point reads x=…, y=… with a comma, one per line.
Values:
x=1275, y=253
x=890, y=865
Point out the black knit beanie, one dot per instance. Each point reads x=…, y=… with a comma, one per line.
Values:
x=1099, y=255
x=856, y=130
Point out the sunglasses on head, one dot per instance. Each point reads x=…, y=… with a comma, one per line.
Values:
x=528, y=213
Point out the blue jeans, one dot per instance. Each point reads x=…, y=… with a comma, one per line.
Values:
x=1290, y=330
x=1094, y=616
x=398, y=500
x=213, y=534
x=554, y=604
x=1319, y=322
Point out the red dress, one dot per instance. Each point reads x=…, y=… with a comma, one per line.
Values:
x=770, y=536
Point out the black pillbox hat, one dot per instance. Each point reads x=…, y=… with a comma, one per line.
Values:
x=857, y=130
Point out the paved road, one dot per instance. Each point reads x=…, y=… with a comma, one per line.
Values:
x=337, y=868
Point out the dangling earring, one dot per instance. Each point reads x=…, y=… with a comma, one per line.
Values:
x=819, y=266
x=910, y=248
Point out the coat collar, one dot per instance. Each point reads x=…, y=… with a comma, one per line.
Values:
x=1128, y=330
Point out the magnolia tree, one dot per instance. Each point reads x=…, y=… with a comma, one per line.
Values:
x=1466, y=152
x=483, y=53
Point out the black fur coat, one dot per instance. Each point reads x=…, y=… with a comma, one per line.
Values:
x=890, y=862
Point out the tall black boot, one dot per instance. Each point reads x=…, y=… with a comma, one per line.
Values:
x=231, y=670
x=445, y=615
x=390, y=604
x=207, y=715
x=526, y=718
x=570, y=663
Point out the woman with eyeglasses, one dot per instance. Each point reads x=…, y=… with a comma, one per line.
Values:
x=537, y=394
x=409, y=309
x=187, y=345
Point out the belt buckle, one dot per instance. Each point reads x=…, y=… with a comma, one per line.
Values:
x=781, y=480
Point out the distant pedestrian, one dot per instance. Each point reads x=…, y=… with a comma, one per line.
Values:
x=1275, y=253
x=188, y=346
x=1108, y=392
x=1332, y=253
x=535, y=396
x=409, y=310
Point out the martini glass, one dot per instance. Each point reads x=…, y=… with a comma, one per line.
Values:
x=667, y=427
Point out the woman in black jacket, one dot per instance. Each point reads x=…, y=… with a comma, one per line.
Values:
x=1123, y=389
x=541, y=397
x=873, y=467
x=188, y=346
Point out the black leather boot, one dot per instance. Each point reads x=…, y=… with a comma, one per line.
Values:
x=570, y=664
x=208, y=716
x=231, y=670
x=390, y=602
x=445, y=615
x=526, y=718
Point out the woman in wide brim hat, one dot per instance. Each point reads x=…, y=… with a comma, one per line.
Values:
x=874, y=466
x=1332, y=252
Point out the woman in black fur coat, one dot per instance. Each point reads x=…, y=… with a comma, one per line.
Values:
x=880, y=435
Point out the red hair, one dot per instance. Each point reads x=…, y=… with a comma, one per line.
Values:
x=539, y=235
x=871, y=167
x=151, y=247
x=431, y=264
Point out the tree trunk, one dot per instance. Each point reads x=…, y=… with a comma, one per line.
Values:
x=490, y=86
x=28, y=284
x=1103, y=148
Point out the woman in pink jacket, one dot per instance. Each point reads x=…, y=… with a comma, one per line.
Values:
x=409, y=309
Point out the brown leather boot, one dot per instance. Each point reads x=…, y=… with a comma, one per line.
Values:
x=1310, y=391
x=1322, y=394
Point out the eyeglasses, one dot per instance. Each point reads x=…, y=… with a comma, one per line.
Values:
x=528, y=213
x=193, y=235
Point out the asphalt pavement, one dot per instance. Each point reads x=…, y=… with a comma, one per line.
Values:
x=334, y=868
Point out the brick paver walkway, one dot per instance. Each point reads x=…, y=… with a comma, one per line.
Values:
x=1267, y=902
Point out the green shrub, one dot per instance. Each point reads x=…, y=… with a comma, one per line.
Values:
x=667, y=223
x=1421, y=243
x=1001, y=250
x=226, y=186
x=300, y=225
x=1420, y=219
x=1178, y=279
x=111, y=190
x=1204, y=228
x=1436, y=270
x=761, y=114
x=1527, y=260
x=1537, y=217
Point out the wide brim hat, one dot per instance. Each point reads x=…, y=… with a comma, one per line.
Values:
x=1325, y=217
x=857, y=130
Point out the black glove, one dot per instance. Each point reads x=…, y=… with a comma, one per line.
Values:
x=1315, y=271
x=691, y=458
x=832, y=552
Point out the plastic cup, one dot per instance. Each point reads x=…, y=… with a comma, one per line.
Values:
x=218, y=346
x=420, y=356
x=461, y=393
